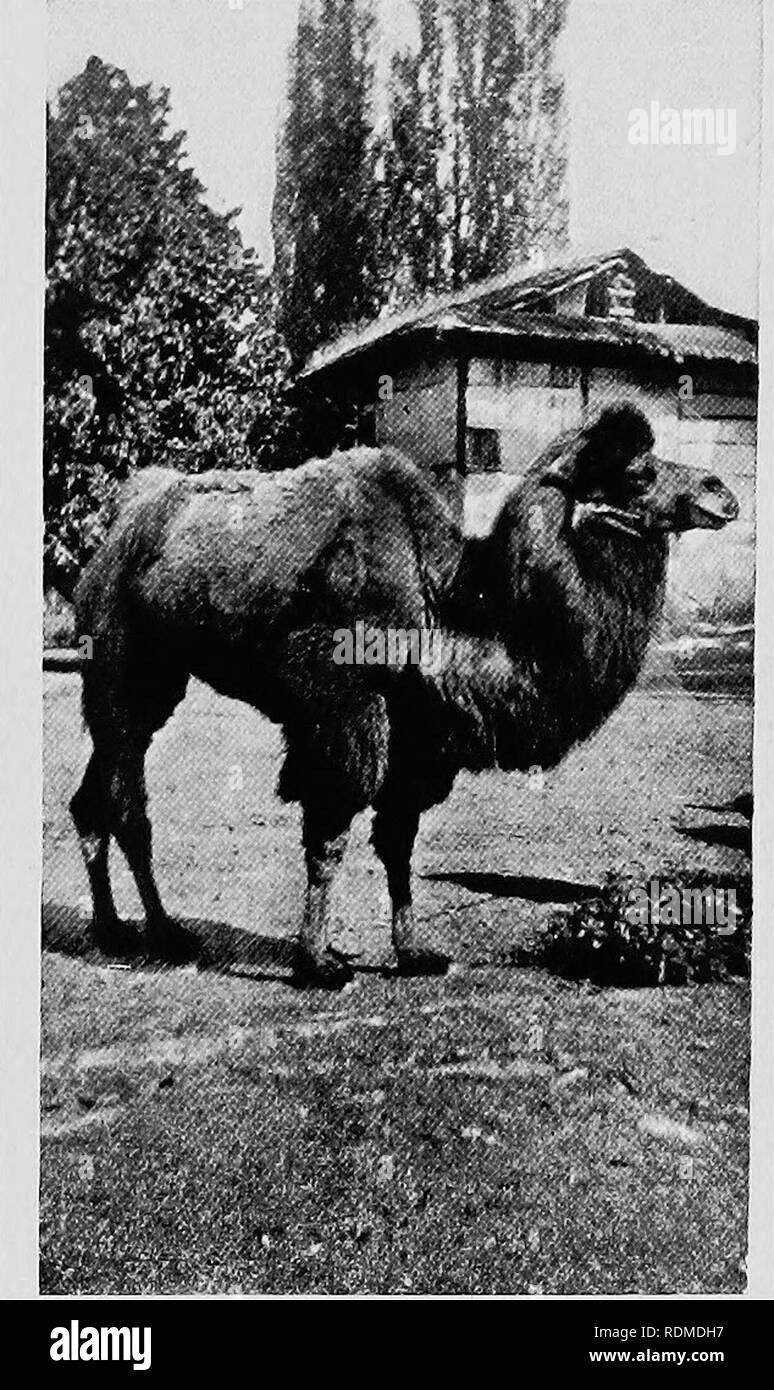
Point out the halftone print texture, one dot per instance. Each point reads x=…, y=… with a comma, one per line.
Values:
x=398, y=657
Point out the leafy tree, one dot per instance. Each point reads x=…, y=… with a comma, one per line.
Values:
x=415, y=228
x=465, y=176
x=475, y=158
x=326, y=207
x=159, y=341
x=488, y=61
x=542, y=131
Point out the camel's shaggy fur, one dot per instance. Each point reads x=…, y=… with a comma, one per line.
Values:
x=241, y=579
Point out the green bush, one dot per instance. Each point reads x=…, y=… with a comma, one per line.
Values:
x=611, y=939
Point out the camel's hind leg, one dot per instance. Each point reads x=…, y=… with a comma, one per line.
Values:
x=130, y=824
x=89, y=810
x=112, y=799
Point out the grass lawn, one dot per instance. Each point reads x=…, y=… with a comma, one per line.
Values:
x=209, y=1129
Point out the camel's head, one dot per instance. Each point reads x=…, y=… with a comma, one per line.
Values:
x=616, y=483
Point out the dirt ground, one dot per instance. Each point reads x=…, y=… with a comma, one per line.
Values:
x=210, y=1129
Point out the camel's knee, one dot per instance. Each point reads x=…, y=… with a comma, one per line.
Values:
x=130, y=823
x=325, y=841
x=132, y=830
x=324, y=854
x=87, y=806
x=392, y=836
x=84, y=811
x=127, y=804
x=324, y=835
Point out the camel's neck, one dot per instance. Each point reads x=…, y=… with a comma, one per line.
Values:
x=589, y=634
x=555, y=635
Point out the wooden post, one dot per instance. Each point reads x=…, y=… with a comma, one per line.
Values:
x=584, y=389
x=463, y=365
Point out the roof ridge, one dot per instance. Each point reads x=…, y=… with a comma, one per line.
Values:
x=439, y=312
x=519, y=275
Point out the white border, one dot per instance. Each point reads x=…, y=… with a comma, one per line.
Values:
x=22, y=88
x=760, y=1260
x=22, y=153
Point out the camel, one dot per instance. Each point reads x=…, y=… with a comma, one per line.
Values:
x=247, y=581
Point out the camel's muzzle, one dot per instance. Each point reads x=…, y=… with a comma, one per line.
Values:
x=658, y=495
x=712, y=506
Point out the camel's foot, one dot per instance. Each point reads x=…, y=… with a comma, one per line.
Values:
x=420, y=960
x=116, y=938
x=324, y=971
x=166, y=940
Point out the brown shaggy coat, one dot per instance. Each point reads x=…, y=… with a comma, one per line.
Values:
x=242, y=580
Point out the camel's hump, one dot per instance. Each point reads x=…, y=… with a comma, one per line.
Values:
x=248, y=542
x=369, y=468
x=350, y=462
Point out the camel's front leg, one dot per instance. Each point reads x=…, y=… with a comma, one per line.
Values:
x=395, y=828
x=315, y=962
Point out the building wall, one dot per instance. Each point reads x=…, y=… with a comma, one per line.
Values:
x=419, y=414
x=519, y=401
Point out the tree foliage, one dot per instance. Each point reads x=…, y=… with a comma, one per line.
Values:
x=476, y=141
x=163, y=341
x=159, y=340
x=415, y=227
x=453, y=172
x=326, y=206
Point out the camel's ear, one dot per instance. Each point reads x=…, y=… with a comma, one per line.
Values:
x=620, y=435
x=598, y=454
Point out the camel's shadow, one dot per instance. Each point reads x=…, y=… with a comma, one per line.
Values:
x=224, y=949
x=727, y=835
x=533, y=890
x=228, y=950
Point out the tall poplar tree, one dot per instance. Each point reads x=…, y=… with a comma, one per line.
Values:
x=477, y=133
x=415, y=230
x=454, y=173
x=327, y=202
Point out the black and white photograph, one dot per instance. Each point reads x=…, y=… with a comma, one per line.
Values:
x=398, y=552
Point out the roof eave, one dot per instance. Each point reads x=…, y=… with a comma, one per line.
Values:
x=580, y=337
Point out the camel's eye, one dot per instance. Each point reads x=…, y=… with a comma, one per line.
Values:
x=643, y=473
